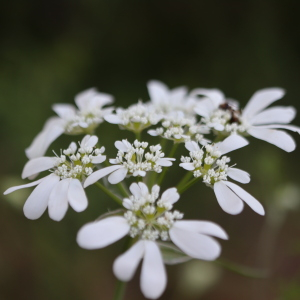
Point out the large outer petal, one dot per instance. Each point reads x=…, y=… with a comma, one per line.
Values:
x=100, y=234
x=126, y=264
x=194, y=244
x=276, y=137
x=238, y=175
x=277, y=114
x=203, y=227
x=53, y=128
x=249, y=199
x=215, y=95
x=37, y=202
x=100, y=174
x=170, y=196
x=227, y=199
x=260, y=100
x=192, y=146
x=158, y=91
x=153, y=274
x=23, y=186
x=231, y=143
x=205, y=108
x=58, y=200
x=187, y=166
x=65, y=111
x=76, y=196
x=117, y=176
x=37, y=165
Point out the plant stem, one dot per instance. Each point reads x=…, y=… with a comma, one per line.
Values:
x=138, y=135
x=188, y=185
x=163, y=174
x=243, y=270
x=184, y=180
x=119, y=290
x=123, y=189
x=109, y=193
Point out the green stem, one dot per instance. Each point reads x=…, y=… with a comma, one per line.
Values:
x=109, y=193
x=187, y=185
x=119, y=290
x=123, y=189
x=163, y=174
x=243, y=270
x=138, y=135
x=185, y=179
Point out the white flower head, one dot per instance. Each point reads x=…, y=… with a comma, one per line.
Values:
x=149, y=218
x=211, y=164
x=255, y=119
x=64, y=185
x=132, y=160
x=165, y=100
x=135, y=118
x=71, y=120
x=176, y=126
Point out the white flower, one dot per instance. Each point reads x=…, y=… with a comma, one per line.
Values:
x=135, y=118
x=178, y=127
x=166, y=100
x=192, y=237
x=262, y=122
x=70, y=120
x=208, y=164
x=132, y=160
x=64, y=185
x=255, y=120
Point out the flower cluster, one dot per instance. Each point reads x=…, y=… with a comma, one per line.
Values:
x=209, y=125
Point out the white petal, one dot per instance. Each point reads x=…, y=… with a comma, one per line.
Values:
x=205, y=108
x=280, y=126
x=102, y=233
x=126, y=264
x=277, y=114
x=249, y=199
x=195, y=244
x=37, y=165
x=73, y=147
x=227, y=199
x=157, y=90
x=152, y=132
x=65, y=111
x=15, y=188
x=165, y=162
x=187, y=166
x=144, y=189
x=260, y=100
x=238, y=175
x=170, y=196
x=117, y=176
x=214, y=94
x=91, y=141
x=58, y=200
x=122, y=146
x=100, y=174
x=113, y=119
x=83, y=98
x=276, y=137
x=76, y=196
x=153, y=274
x=37, y=202
x=231, y=143
x=192, y=146
x=53, y=128
x=203, y=227
x=98, y=159
x=135, y=190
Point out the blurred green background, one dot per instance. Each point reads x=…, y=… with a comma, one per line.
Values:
x=51, y=50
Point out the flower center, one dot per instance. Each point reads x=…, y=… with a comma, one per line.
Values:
x=77, y=164
x=150, y=218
